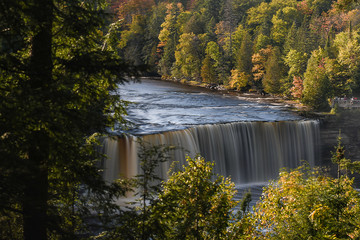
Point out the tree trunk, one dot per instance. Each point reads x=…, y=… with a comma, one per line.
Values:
x=36, y=190
x=40, y=75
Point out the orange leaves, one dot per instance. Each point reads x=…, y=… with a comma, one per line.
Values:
x=259, y=59
x=331, y=21
x=128, y=8
x=297, y=89
x=304, y=8
x=238, y=79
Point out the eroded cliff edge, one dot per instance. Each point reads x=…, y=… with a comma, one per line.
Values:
x=346, y=122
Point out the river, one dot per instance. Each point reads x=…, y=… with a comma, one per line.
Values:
x=247, y=140
x=158, y=106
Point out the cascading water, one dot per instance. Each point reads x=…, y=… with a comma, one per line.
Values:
x=121, y=158
x=249, y=152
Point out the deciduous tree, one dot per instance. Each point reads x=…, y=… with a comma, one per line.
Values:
x=304, y=204
x=195, y=203
x=293, y=83
x=259, y=60
x=349, y=60
x=188, y=57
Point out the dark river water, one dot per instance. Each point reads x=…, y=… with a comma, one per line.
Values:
x=158, y=106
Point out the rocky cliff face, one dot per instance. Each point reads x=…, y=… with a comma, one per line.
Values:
x=348, y=123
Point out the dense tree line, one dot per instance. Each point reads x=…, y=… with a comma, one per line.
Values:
x=306, y=50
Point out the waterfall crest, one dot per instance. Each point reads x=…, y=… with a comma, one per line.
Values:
x=248, y=152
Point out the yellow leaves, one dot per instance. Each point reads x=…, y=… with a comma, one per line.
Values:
x=238, y=79
x=258, y=14
x=303, y=204
x=279, y=30
x=196, y=200
x=259, y=59
x=319, y=212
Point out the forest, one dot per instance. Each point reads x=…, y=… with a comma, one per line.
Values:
x=61, y=64
x=305, y=50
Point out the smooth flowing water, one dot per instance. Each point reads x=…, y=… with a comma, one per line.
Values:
x=247, y=140
x=165, y=106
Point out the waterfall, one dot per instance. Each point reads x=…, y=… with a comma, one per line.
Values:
x=248, y=152
x=121, y=158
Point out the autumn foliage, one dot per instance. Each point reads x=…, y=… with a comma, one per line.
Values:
x=245, y=34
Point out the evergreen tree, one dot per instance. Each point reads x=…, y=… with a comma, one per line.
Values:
x=307, y=40
x=244, y=54
x=57, y=89
x=291, y=39
x=132, y=41
x=194, y=24
x=279, y=29
x=282, y=22
x=240, y=8
x=208, y=73
x=167, y=57
x=344, y=165
x=210, y=29
x=241, y=75
x=152, y=30
x=259, y=18
x=296, y=61
x=274, y=69
x=168, y=37
x=188, y=57
x=211, y=65
x=293, y=83
x=211, y=9
x=329, y=48
x=316, y=82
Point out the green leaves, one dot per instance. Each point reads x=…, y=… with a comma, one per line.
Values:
x=304, y=204
x=316, y=81
x=188, y=56
x=57, y=88
x=193, y=205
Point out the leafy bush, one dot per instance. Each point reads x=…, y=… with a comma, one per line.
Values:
x=303, y=204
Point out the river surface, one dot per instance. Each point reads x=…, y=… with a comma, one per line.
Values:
x=158, y=106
